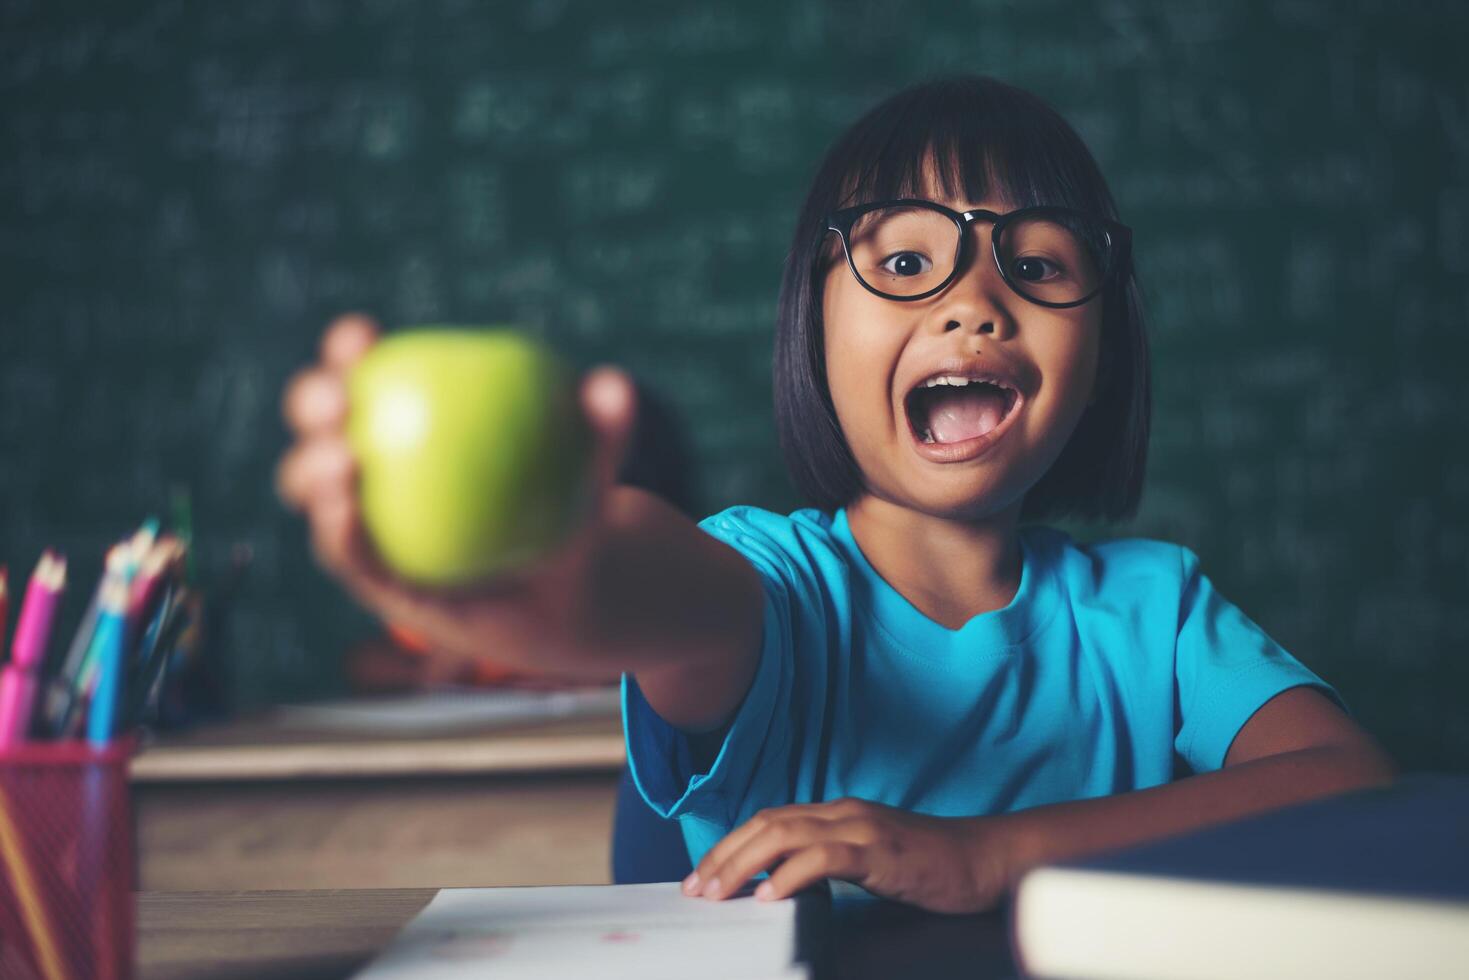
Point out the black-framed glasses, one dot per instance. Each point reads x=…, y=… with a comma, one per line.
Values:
x=910, y=249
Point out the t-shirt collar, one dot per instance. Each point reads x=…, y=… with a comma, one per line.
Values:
x=1035, y=601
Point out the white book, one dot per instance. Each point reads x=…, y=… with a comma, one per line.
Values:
x=638, y=932
x=1365, y=885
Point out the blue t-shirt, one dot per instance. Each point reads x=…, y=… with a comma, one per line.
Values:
x=1113, y=661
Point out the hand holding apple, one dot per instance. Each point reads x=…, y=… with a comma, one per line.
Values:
x=319, y=475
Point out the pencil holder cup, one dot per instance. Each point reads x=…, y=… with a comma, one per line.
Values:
x=66, y=862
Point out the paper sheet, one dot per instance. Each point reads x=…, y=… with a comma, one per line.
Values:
x=638, y=932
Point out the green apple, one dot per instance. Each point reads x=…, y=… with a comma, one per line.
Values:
x=473, y=452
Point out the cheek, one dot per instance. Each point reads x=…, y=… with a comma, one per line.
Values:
x=861, y=351
x=1069, y=367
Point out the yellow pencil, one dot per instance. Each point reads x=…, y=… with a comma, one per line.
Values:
x=32, y=909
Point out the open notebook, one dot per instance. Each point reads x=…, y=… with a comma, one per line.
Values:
x=641, y=932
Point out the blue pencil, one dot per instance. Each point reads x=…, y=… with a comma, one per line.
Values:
x=64, y=697
x=111, y=624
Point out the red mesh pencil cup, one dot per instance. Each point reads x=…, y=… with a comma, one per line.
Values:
x=66, y=862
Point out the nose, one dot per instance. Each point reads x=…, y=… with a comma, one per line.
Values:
x=978, y=300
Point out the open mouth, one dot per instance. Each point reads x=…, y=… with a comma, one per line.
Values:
x=951, y=409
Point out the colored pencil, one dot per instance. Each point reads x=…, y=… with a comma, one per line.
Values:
x=140, y=543
x=143, y=695
x=137, y=550
x=151, y=569
x=86, y=677
x=61, y=693
x=148, y=647
x=160, y=564
x=20, y=678
x=28, y=894
x=111, y=623
x=106, y=659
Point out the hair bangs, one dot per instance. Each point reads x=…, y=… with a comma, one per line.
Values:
x=969, y=144
x=946, y=158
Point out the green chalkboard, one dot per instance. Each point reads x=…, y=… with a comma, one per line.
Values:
x=189, y=191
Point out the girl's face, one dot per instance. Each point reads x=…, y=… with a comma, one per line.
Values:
x=879, y=351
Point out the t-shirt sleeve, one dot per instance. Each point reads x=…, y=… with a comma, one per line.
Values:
x=1226, y=668
x=754, y=760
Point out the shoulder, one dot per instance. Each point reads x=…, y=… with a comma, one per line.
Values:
x=798, y=528
x=1116, y=568
x=746, y=517
x=785, y=543
x=800, y=562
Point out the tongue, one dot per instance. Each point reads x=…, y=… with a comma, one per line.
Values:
x=965, y=413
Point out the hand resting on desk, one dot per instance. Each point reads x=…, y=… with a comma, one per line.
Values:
x=943, y=864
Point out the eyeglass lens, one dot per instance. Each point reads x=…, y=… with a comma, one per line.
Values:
x=907, y=250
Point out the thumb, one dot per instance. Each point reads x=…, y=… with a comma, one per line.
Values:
x=610, y=400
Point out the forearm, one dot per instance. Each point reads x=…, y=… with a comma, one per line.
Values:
x=641, y=590
x=1062, y=830
x=654, y=588
x=656, y=596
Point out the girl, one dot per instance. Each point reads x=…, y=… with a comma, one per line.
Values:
x=903, y=686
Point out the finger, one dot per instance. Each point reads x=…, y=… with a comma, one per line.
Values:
x=741, y=835
x=314, y=469
x=332, y=522
x=349, y=337
x=763, y=851
x=732, y=842
x=609, y=399
x=341, y=545
x=717, y=855
x=315, y=402
x=830, y=859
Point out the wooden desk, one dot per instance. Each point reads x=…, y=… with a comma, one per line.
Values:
x=258, y=805
x=305, y=935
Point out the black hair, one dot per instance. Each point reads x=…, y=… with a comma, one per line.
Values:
x=658, y=457
x=981, y=135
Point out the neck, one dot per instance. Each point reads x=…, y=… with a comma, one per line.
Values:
x=950, y=570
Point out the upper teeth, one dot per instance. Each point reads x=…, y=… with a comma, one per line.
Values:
x=958, y=382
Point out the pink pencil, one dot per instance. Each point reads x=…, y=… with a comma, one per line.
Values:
x=18, y=679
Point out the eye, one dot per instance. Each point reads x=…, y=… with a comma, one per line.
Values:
x=906, y=264
x=1032, y=268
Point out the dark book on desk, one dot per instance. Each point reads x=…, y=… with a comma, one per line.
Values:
x=1373, y=883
